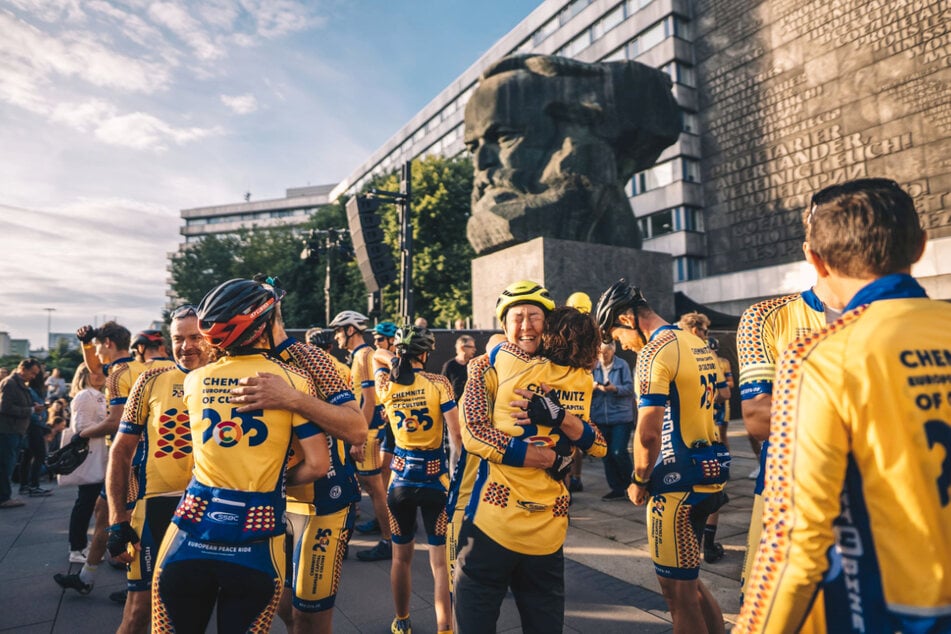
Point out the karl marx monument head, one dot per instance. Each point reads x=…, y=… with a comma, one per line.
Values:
x=553, y=142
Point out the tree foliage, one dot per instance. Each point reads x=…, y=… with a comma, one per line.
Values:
x=441, y=261
x=441, y=195
x=275, y=252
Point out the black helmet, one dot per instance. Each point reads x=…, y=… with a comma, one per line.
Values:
x=323, y=338
x=713, y=343
x=148, y=338
x=619, y=297
x=67, y=458
x=237, y=310
x=413, y=341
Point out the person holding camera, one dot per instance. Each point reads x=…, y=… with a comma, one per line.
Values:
x=612, y=410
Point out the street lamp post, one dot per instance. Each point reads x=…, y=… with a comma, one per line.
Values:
x=49, y=326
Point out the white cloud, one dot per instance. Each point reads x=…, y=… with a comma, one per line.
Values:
x=275, y=18
x=176, y=19
x=240, y=104
x=99, y=257
x=142, y=131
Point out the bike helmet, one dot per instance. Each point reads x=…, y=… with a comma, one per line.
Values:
x=237, y=312
x=385, y=329
x=323, y=338
x=350, y=318
x=580, y=301
x=148, y=338
x=618, y=298
x=67, y=458
x=413, y=341
x=713, y=343
x=524, y=292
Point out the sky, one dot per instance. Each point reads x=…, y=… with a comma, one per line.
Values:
x=116, y=115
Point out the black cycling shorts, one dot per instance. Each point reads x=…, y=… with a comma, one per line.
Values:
x=403, y=501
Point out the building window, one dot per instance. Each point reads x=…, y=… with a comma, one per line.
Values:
x=691, y=122
x=681, y=73
x=687, y=267
x=652, y=36
x=663, y=174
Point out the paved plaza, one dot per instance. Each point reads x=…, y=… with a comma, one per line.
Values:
x=610, y=583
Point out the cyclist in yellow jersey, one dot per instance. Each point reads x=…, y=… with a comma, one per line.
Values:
x=383, y=335
x=227, y=543
x=699, y=324
x=765, y=329
x=106, y=354
x=680, y=465
x=149, y=344
x=857, y=498
x=420, y=408
x=319, y=514
x=150, y=465
x=515, y=520
x=349, y=327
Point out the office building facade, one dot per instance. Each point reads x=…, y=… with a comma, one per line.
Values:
x=779, y=98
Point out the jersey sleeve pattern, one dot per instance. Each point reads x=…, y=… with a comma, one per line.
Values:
x=444, y=385
x=798, y=511
x=135, y=414
x=320, y=367
x=756, y=347
x=654, y=370
x=117, y=395
x=479, y=436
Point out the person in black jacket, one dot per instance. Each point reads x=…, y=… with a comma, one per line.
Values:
x=16, y=407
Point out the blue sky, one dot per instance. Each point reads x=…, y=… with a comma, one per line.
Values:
x=116, y=115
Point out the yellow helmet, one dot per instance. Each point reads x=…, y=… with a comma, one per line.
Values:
x=524, y=292
x=580, y=301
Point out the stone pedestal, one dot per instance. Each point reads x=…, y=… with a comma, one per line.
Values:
x=564, y=267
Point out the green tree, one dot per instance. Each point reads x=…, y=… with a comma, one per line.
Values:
x=276, y=252
x=441, y=195
x=65, y=359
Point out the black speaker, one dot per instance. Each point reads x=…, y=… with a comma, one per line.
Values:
x=373, y=256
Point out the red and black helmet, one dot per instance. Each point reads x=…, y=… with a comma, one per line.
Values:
x=236, y=312
x=148, y=338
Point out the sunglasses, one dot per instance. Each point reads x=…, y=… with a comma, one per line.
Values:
x=185, y=310
x=379, y=339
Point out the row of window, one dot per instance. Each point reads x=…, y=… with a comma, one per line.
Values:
x=670, y=26
x=666, y=221
x=680, y=168
x=688, y=267
x=251, y=216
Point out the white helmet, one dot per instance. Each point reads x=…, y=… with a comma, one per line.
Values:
x=350, y=318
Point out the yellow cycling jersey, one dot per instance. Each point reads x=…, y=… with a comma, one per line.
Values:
x=241, y=451
x=676, y=370
x=122, y=374
x=764, y=332
x=415, y=414
x=155, y=412
x=361, y=376
x=858, y=490
x=521, y=508
x=416, y=411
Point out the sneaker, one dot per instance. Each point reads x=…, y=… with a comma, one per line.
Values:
x=24, y=489
x=370, y=526
x=119, y=597
x=78, y=556
x=713, y=553
x=401, y=626
x=37, y=492
x=381, y=551
x=754, y=473
x=575, y=486
x=11, y=503
x=614, y=495
x=73, y=582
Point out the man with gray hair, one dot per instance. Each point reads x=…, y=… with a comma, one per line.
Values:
x=455, y=369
